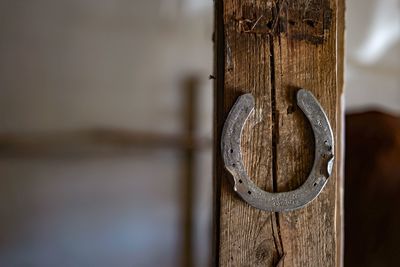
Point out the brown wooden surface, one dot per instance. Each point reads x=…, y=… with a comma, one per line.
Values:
x=372, y=189
x=340, y=24
x=271, y=49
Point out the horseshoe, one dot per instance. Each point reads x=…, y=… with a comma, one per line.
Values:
x=320, y=172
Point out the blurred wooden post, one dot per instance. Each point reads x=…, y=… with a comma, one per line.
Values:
x=271, y=49
x=188, y=166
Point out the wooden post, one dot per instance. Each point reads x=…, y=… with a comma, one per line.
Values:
x=271, y=49
x=188, y=166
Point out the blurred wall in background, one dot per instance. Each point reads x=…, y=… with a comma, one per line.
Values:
x=109, y=64
x=372, y=74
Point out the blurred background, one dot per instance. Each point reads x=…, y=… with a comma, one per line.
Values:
x=372, y=139
x=96, y=141
x=106, y=132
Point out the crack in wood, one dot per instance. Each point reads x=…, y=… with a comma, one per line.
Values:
x=275, y=134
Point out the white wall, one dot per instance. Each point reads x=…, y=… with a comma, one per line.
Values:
x=373, y=55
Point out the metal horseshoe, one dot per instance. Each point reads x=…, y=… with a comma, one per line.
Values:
x=318, y=177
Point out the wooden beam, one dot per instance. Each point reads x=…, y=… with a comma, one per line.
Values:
x=271, y=49
x=92, y=142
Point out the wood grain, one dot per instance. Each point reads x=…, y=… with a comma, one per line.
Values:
x=271, y=49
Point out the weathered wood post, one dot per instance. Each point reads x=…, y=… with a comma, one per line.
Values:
x=271, y=49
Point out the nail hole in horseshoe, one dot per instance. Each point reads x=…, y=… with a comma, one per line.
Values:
x=249, y=192
x=233, y=165
x=240, y=181
x=327, y=144
x=231, y=150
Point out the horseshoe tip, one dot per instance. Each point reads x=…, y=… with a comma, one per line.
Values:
x=248, y=98
x=302, y=94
